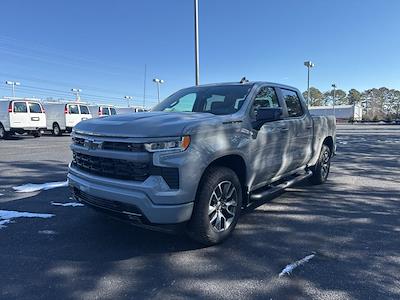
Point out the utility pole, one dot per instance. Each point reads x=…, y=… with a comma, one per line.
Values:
x=196, y=41
x=13, y=84
x=77, y=94
x=309, y=65
x=334, y=99
x=144, y=86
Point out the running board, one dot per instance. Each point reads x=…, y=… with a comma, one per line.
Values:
x=275, y=189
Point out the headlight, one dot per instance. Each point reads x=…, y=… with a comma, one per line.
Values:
x=179, y=144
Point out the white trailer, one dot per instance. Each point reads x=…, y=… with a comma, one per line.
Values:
x=341, y=112
x=62, y=117
x=21, y=116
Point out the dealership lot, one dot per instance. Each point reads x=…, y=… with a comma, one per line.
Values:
x=351, y=224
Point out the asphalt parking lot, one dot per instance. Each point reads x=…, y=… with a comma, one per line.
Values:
x=351, y=224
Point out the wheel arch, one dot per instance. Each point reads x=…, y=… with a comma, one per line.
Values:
x=329, y=142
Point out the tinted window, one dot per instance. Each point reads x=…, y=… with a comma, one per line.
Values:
x=73, y=109
x=265, y=98
x=35, y=108
x=113, y=111
x=84, y=110
x=20, y=107
x=218, y=100
x=293, y=103
x=104, y=111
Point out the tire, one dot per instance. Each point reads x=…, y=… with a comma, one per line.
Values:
x=37, y=134
x=3, y=133
x=220, y=189
x=56, y=130
x=320, y=171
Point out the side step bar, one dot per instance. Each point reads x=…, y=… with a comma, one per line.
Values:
x=275, y=189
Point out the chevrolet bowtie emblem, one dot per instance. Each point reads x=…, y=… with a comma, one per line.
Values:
x=92, y=144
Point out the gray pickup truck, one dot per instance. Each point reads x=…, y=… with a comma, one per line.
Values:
x=200, y=156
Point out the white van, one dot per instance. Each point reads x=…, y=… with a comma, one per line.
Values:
x=105, y=110
x=62, y=117
x=21, y=116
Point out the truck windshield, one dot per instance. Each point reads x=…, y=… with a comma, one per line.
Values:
x=218, y=100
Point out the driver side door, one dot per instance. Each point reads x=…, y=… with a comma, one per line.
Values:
x=270, y=142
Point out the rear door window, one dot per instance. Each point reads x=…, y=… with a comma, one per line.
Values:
x=20, y=107
x=34, y=108
x=104, y=111
x=113, y=111
x=293, y=103
x=73, y=109
x=84, y=110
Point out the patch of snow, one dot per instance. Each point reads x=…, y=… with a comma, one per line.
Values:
x=73, y=204
x=32, y=187
x=1, y=194
x=6, y=216
x=289, y=268
x=50, y=232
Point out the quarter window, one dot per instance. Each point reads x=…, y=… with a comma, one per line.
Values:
x=84, y=110
x=293, y=103
x=20, y=107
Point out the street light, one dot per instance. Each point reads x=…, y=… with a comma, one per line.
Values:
x=128, y=98
x=158, y=82
x=334, y=99
x=309, y=65
x=77, y=94
x=13, y=84
x=196, y=41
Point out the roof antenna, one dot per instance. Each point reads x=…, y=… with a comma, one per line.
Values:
x=243, y=80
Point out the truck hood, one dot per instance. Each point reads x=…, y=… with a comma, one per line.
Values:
x=147, y=124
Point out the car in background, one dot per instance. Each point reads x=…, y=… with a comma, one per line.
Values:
x=62, y=117
x=21, y=116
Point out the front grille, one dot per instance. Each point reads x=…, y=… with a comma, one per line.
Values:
x=124, y=169
x=114, y=146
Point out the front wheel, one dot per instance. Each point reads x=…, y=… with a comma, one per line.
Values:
x=3, y=133
x=217, y=207
x=320, y=171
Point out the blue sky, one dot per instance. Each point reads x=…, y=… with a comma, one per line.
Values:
x=102, y=46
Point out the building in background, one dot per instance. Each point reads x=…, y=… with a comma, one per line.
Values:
x=343, y=113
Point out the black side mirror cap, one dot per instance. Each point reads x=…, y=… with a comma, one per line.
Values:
x=264, y=115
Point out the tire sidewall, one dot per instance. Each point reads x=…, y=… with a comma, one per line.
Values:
x=56, y=129
x=200, y=219
x=319, y=166
x=2, y=132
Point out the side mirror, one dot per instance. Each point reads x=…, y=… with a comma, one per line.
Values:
x=264, y=115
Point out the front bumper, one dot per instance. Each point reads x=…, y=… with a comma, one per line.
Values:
x=151, y=200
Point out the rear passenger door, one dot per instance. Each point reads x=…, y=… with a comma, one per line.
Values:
x=36, y=115
x=19, y=117
x=300, y=129
x=72, y=117
x=85, y=112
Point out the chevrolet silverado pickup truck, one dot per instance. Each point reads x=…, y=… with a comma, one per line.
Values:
x=200, y=156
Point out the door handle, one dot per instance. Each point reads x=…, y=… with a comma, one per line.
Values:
x=309, y=127
x=284, y=129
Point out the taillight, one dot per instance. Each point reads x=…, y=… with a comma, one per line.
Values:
x=100, y=112
x=66, y=109
x=43, y=111
x=10, y=107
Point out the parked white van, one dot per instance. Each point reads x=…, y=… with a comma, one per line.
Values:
x=21, y=116
x=102, y=110
x=62, y=117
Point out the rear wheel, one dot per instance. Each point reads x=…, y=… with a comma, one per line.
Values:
x=217, y=207
x=320, y=171
x=56, y=129
x=3, y=133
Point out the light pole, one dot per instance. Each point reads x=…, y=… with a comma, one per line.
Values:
x=196, y=41
x=334, y=98
x=13, y=84
x=77, y=94
x=158, y=82
x=128, y=98
x=309, y=65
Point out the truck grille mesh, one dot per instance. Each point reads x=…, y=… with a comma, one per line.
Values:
x=124, y=169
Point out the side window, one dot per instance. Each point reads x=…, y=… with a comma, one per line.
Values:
x=113, y=111
x=104, y=111
x=84, y=110
x=34, y=108
x=20, y=107
x=293, y=103
x=265, y=98
x=210, y=101
x=183, y=104
x=73, y=109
